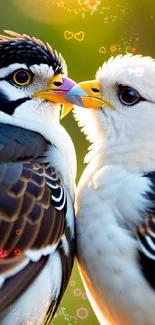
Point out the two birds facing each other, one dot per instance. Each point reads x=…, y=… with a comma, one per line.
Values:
x=115, y=199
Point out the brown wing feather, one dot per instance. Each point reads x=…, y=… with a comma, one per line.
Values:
x=36, y=224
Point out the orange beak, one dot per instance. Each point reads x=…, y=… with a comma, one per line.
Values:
x=88, y=94
x=57, y=90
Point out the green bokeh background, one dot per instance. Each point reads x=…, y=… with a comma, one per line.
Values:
x=115, y=26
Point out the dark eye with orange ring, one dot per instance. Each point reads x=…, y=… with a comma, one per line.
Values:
x=21, y=77
x=128, y=96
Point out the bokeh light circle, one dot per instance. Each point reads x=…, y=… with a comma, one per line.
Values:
x=72, y=283
x=77, y=292
x=84, y=296
x=82, y=313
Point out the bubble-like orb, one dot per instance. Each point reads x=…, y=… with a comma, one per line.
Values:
x=82, y=313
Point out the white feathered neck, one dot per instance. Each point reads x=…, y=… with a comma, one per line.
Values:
x=117, y=140
x=124, y=136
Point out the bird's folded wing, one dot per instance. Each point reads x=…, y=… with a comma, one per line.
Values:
x=32, y=211
x=33, y=206
x=146, y=237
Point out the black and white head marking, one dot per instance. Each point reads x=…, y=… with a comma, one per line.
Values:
x=26, y=57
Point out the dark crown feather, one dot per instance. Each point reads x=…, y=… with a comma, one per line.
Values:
x=17, y=48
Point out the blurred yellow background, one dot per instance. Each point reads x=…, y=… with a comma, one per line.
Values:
x=86, y=32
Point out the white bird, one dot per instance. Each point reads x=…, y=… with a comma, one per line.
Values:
x=115, y=205
x=37, y=182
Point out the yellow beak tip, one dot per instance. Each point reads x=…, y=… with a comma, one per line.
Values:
x=65, y=110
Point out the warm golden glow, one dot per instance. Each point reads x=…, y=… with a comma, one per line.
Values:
x=48, y=11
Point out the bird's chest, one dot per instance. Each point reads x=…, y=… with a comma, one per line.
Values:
x=109, y=210
x=111, y=198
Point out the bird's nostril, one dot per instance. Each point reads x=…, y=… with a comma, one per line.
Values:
x=95, y=90
x=57, y=83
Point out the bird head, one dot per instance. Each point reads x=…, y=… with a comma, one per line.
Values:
x=119, y=107
x=33, y=84
x=33, y=81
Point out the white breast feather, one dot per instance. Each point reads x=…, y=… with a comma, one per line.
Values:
x=106, y=203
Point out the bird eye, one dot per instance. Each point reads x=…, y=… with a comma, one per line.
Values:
x=128, y=95
x=21, y=77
